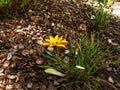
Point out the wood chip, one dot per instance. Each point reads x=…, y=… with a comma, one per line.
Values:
x=114, y=43
x=11, y=76
x=2, y=76
x=21, y=46
x=9, y=87
x=43, y=87
x=39, y=61
x=9, y=56
x=109, y=68
x=25, y=52
x=110, y=79
x=1, y=70
x=40, y=42
x=6, y=64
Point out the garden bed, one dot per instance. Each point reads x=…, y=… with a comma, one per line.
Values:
x=21, y=40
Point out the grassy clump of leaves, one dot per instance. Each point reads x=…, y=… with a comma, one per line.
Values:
x=102, y=14
x=9, y=8
x=101, y=18
x=5, y=2
x=82, y=63
x=8, y=2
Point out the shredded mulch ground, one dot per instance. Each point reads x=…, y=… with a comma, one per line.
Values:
x=21, y=40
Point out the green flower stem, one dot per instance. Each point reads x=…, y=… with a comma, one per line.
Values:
x=57, y=51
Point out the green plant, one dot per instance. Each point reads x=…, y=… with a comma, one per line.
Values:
x=8, y=2
x=82, y=63
x=101, y=18
x=24, y=1
x=105, y=2
x=9, y=8
x=5, y=2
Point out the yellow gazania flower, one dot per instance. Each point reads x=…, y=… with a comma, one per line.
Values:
x=55, y=41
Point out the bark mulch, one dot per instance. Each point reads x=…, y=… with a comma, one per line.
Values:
x=21, y=40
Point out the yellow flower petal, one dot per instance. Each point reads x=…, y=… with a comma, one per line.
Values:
x=63, y=41
x=56, y=38
x=52, y=39
x=61, y=45
x=60, y=38
x=55, y=41
x=46, y=44
x=47, y=40
x=51, y=45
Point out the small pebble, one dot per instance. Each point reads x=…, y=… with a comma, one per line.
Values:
x=50, y=49
x=29, y=85
x=109, y=40
x=53, y=24
x=67, y=51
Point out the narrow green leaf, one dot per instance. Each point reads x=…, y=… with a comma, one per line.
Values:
x=54, y=72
